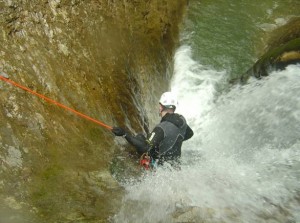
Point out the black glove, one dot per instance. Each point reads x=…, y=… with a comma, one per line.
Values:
x=118, y=131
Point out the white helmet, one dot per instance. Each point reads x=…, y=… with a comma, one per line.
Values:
x=169, y=100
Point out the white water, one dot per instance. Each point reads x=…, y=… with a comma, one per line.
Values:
x=243, y=163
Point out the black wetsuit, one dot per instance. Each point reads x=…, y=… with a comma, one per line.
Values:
x=165, y=141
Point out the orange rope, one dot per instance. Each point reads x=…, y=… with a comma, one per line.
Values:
x=55, y=102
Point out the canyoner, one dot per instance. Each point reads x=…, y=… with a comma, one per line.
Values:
x=164, y=143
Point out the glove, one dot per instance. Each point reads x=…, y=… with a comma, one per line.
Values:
x=118, y=131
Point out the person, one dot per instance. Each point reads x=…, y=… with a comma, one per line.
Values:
x=164, y=143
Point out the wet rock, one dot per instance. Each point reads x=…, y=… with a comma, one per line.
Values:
x=12, y=203
x=277, y=59
x=282, y=49
x=106, y=59
x=14, y=157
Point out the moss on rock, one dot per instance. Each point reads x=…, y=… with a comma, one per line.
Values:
x=107, y=59
x=283, y=49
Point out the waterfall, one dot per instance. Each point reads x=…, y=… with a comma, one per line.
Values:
x=242, y=165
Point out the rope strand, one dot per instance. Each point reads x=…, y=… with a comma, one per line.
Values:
x=55, y=102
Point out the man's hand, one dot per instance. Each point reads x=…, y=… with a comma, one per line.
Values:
x=118, y=131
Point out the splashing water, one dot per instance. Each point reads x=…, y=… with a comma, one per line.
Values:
x=243, y=163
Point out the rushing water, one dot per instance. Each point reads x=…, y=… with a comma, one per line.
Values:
x=243, y=163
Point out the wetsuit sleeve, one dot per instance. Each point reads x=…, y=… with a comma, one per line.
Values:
x=139, y=142
x=188, y=133
x=143, y=144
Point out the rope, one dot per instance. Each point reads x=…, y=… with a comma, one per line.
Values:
x=55, y=102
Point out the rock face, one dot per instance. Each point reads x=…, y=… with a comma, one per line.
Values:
x=283, y=48
x=107, y=59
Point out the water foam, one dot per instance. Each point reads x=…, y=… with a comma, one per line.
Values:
x=242, y=165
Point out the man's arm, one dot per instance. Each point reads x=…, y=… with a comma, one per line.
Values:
x=188, y=133
x=143, y=144
x=140, y=142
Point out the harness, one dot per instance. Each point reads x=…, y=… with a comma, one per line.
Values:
x=147, y=162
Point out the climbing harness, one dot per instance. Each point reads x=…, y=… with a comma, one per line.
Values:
x=54, y=102
x=147, y=162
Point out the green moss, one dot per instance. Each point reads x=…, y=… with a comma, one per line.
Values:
x=270, y=59
x=101, y=58
x=52, y=172
x=272, y=55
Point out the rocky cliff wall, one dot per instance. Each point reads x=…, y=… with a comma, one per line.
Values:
x=107, y=59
